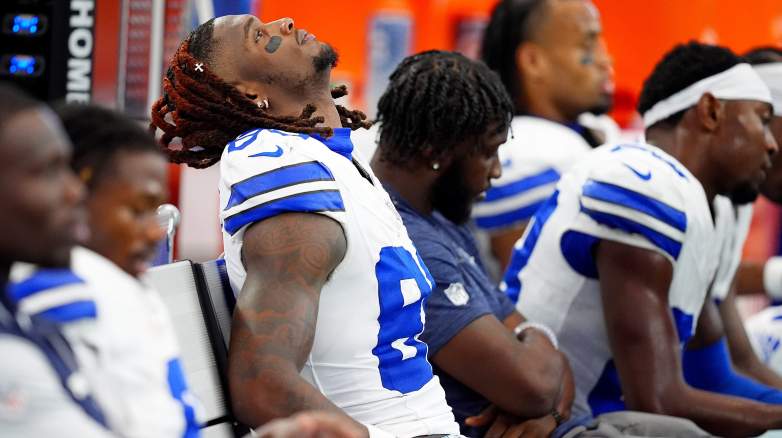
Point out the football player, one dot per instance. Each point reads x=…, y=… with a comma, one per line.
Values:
x=435, y=166
x=619, y=260
x=119, y=328
x=43, y=392
x=331, y=289
x=551, y=59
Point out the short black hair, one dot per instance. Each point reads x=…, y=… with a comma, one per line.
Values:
x=681, y=67
x=14, y=102
x=434, y=101
x=512, y=23
x=202, y=42
x=98, y=134
x=763, y=55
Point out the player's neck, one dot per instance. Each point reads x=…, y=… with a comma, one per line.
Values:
x=412, y=186
x=285, y=104
x=688, y=149
x=540, y=107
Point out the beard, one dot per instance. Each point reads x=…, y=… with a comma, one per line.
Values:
x=745, y=193
x=326, y=59
x=450, y=195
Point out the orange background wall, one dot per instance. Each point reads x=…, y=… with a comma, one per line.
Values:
x=637, y=32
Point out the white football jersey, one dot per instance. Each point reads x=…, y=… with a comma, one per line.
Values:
x=123, y=338
x=764, y=330
x=634, y=194
x=734, y=225
x=536, y=154
x=42, y=392
x=366, y=357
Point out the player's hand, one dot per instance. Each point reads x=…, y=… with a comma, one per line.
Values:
x=313, y=424
x=508, y=426
x=536, y=428
x=486, y=417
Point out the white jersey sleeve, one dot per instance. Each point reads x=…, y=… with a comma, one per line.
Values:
x=33, y=402
x=632, y=197
x=264, y=173
x=537, y=153
x=764, y=330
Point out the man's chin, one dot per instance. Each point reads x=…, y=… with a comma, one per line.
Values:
x=745, y=194
x=326, y=59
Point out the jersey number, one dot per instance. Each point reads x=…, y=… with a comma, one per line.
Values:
x=402, y=287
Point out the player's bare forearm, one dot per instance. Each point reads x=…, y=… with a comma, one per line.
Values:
x=288, y=259
x=646, y=347
x=749, y=278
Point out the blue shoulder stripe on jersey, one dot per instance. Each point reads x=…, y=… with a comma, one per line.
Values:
x=576, y=247
x=73, y=311
x=508, y=218
x=520, y=256
x=281, y=177
x=631, y=199
x=670, y=246
x=42, y=280
x=495, y=193
x=307, y=202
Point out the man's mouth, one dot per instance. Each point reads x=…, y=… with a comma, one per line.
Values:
x=302, y=36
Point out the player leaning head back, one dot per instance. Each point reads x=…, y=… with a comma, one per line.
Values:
x=448, y=149
x=236, y=73
x=705, y=106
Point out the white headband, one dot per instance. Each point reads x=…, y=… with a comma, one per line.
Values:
x=772, y=75
x=739, y=82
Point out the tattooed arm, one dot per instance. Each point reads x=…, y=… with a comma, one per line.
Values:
x=288, y=259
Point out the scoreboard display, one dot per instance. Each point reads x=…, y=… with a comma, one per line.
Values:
x=47, y=46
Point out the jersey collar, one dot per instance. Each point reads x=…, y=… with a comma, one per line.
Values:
x=339, y=142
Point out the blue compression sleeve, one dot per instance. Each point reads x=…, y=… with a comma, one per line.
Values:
x=709, y=369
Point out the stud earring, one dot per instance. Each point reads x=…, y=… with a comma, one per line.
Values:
x=435, y=166
x=263, y=104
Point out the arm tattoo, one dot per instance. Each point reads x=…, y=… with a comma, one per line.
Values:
x=288, y=259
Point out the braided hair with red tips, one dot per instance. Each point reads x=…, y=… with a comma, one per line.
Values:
x=206, y=113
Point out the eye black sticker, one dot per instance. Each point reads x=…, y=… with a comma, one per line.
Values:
x=274, y=44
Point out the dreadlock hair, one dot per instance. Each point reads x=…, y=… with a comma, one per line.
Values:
x=512, y=23
x=764, y=55
x=681, y=67
x=206, y=112
x=14, y=101
x=98, y=134
x=434, y=101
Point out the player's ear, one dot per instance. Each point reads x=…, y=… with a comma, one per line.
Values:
x=530, y=61
x=430, y=160
x=251, y=91
x=710, y=112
